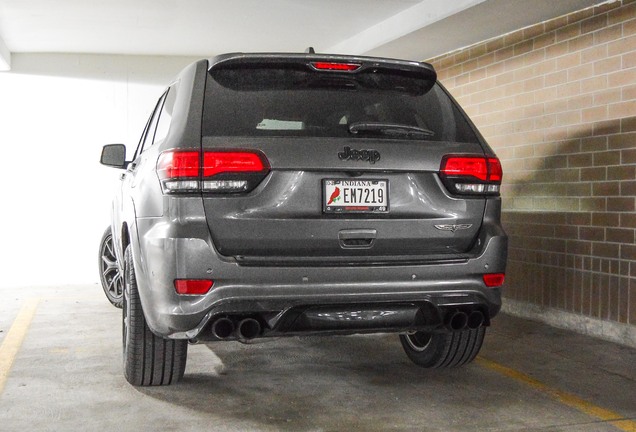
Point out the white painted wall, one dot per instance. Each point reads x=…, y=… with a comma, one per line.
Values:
x=56, y=112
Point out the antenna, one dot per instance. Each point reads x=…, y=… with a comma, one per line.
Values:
x=310, y=50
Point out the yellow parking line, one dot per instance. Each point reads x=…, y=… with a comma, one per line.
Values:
x=568, y=399
x=13, y=340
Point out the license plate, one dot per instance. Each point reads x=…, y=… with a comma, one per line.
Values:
x=355, y=196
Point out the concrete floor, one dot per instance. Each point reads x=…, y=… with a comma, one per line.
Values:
x=529, y=377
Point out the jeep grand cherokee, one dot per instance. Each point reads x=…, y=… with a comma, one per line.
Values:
x=290, y=194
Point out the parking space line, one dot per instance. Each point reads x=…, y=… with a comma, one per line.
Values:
x=568, y=399
x=13, y=340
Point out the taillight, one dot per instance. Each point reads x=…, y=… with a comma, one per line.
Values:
x=179, y=171
x=193, y=286
x=334, y=66
x=494, y=280
x=471, y=175
x=184, y=171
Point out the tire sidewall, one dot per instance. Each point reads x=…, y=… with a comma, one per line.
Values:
x=430, y=355
x=130, y=321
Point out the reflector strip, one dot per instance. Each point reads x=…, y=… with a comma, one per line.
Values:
x=493, y=280
x=193, y=286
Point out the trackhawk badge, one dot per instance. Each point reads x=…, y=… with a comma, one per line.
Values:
x=362, y=155
x=453, y=228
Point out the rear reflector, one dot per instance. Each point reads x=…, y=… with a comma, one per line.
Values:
x=493, y=280
x=193, y=286
x=331, y=66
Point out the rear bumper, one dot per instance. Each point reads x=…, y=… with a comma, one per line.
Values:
x=169, y=248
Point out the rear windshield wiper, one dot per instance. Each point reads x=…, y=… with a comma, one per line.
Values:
x=389, y=129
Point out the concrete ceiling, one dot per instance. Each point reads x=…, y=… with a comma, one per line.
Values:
x=410, y=29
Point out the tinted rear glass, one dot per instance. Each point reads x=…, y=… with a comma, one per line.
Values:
x=297, y=101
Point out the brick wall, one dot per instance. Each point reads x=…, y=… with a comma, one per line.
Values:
x=557, y=102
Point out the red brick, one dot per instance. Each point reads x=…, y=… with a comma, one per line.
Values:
x=608, y=34
x=624, y=13
x=594, y=144
x=607, y=158
x=580, y=160
x=544, y=40
x=621, y=204
x=581, y=42
x=618, y=235
x=606, y=189
x=621, y=46
x=609, y=250
x=568, y=32
x=607, y=65
x=594, y=174
x=628, y=188
x=607, y=97
x=577, y=247
x=622, y=141
x=593, y=204
x=628, y=124
x=628, y=156
x=592, y=234
x=624, y=172
x=579, y=218
x=605, y=219
x=628, y=252
x=607, y=127
x=594, y=23
x=628, y=220
x=621, y=78
x=629, y=28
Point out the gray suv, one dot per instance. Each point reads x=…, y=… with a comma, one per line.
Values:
x=292, y=194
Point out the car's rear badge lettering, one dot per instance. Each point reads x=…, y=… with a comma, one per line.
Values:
x=361, y=155
x=453, y=228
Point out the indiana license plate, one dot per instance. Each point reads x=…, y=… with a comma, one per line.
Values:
x=355, y=196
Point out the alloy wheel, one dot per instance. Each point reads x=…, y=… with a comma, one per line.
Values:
x=111, y=276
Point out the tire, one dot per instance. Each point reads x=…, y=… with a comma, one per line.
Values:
x=443, y=350
x=149, y=360
x=109, y=273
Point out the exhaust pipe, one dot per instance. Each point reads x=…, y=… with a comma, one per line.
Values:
x=456, y=320
x=248, y=328
x=222, y=328
x=475, y=319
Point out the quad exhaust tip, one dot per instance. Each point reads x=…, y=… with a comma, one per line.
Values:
x=248, y=328
x=223, y=328
x=475, y=319
x=459, y=320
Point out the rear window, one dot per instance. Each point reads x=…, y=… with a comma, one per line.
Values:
x=297, y=101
